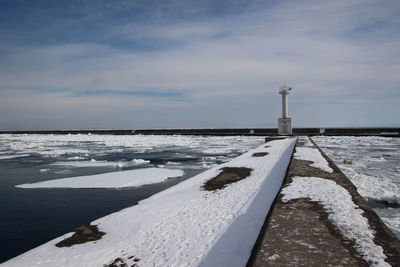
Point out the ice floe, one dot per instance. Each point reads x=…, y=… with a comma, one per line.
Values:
x=14, y=156
x=102, y=163
x=393, y=222
x=90, y=163
x=120, y=179
x=140, y=161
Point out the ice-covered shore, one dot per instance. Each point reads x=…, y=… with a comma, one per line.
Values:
x=184, y=225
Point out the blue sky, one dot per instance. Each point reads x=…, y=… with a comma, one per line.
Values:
x=99, y=64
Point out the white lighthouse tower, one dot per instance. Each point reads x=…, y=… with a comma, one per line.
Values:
x=285, y=123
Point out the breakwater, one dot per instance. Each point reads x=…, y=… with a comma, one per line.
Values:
x=313, y=221
x=366, y=131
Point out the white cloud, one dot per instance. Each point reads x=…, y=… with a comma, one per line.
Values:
x=306, y=44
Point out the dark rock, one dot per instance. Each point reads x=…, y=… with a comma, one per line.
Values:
x=83, y=234
x=227, y=176
x=260, y=154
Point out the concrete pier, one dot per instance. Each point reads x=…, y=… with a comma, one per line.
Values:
x=299, y=233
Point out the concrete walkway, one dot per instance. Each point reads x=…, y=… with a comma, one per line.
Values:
x=298, y=233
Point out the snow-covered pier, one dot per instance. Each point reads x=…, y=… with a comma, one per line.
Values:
x=237, y=214
x=319, y=219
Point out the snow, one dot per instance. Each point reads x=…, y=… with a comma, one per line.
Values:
x=183, y=225
x=91, y=163
x=77, y=158
x=274, y=257
x=120, y=179
x=313, y=154
x=14, y=156
x=393, y=222
x=342, y=212
x=140, y=161
x=306, y=141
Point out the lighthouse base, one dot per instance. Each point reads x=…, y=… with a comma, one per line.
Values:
x=285, y=126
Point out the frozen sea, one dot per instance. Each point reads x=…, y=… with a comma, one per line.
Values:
x=373, y=165
x=33, y=216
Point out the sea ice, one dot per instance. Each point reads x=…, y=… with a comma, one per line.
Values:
x=55, y=145
x=374, y=169
x=120, y=179
x=14, y=156
x=393, y=223
x=140, y=161
x=91, y=163
x=83, y=146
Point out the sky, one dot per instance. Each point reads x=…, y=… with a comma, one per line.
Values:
x=138, y=64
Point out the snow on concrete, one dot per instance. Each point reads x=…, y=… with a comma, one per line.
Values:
x=183, y=225
x=120, y=179
x=342, y=212
x=306, y=141
x=274, y=257
x=313, y=154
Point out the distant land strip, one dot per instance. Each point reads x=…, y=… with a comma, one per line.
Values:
x=368, y=131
